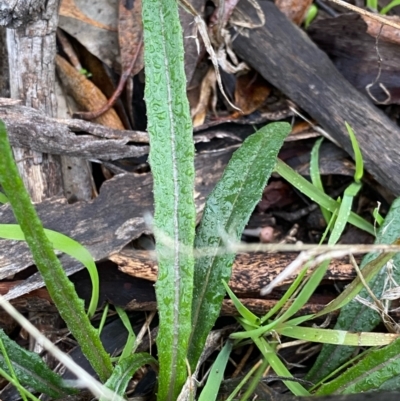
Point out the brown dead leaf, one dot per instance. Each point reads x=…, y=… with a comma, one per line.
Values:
x=207, y=92
x=251, y=91
x=68, y=8
x=295, y=10
x=85, y=93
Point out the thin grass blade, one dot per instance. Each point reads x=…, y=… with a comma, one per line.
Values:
x=318, y=196
x=67, y=245
x=378, y=370
x=214, y=380
x=32, y=371
x=357, y=317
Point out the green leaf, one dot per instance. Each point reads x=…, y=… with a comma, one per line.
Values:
x=124, y=371
x=61, y=290
x=318, y=196
x=311, y=14
x=32, y=371
x=172, y=164
x=315, y=175
x=3, y=198
x=358, y=174
x=392, y=4
x=344, y=211
x=130, y=342
x=67, y=245
x=375, y=371
x=357, y=317
x=226, y=213
x=249, y=316
x=369, y=271
x=211, y=388
x=340, y=337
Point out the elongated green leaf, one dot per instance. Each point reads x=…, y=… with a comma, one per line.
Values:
x=67, y=245
x=369, y=271
x=357, y=317
x=344, y=211
x=211, y=388
x=124, y=371
x=318, y=196
x=392, y=4
x=316, y=176
x=3, y=198
x=379, y=369
x=269, y=353
x=226, y=213
x=130, y=341
x=249, y=316
x=340, y=337
x=32, y=371
x=359, y=172
x=61, y=290
x=172, y=164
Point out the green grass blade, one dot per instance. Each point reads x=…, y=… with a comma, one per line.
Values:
x=311, y=15
x=255, y=381
x=67, y=245
x=278, y=366
x=369, y=271
x=226, y=213
x=130, y=342
x=11, y=370
x=344, y=212
x=315, y=175
x=211, y=388
x=355, y=316
x=392, y=4
x=289, y=292
x=378, y=370
x=339, y=337
x=358, y=174
x=249, y=316
x=3, y=198
x=19, y=387
x=124, y=371
x=61, y=290
x=31, y=370
x=318, y=196
x=172, y=164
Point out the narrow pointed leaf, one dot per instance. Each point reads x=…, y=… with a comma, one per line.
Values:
x=226, y=213
x=172, y=165
x=357, y=317
x=379, y=369
x=60, y=288
x=67, y=245
x=340, y=337
x=214, y=380
x=124, y=371
x=32, y=371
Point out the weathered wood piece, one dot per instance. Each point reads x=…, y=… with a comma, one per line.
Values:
x=32, y=129
x=31, y=51
x=106, y=224
x=257, y=306
x=250, y=271
x=354, y=52
x=285, y=56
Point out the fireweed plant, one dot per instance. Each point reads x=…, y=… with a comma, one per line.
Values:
x=193, y=265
